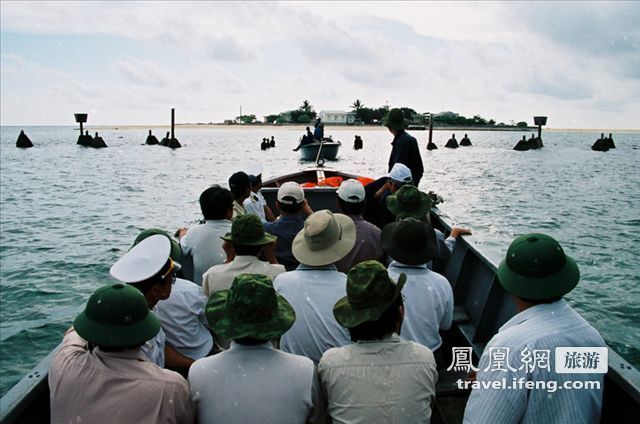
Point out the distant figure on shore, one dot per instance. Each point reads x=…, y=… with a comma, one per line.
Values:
x=97, y=142
x=306, y=139
x=85, y=139
x=265, y=144
x=609, y=142
x=465, y=141
x=601, y=144
x=357, y=143
x=151, y=139
x=272, y=142
x=522, y=145
x=432, y=146
x=23, y=141
x=452, y=143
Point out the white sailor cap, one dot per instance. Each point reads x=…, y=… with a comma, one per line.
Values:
x=143, y=261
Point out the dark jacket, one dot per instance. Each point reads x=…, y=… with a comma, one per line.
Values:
x=406, y=151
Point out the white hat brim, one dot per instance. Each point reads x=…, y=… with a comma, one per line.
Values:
x=143, y=261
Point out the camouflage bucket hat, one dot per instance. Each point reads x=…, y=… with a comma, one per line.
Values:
x=117, y=315
x=247, y=230
x=250, y=308
x=370, y=292
x=409, y=202
x=536, y=267
x=410, y=241
x=176, y=251
x=395, y=120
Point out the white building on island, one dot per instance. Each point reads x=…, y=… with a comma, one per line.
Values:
x=337, y=117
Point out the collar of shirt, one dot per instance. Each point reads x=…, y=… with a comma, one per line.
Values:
x=303, y=267
x=356, y=217
x=262, y=346
x=393, y=338
x=401, y=265
x=245, y=259
x=124, y=354
x=218, y=222
x=542, y=309
x=290, y=218
x=254, y=197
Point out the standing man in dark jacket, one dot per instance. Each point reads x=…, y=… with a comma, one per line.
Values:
x=405, y=147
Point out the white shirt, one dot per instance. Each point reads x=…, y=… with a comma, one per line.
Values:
x=428, y=304
x=153, y=348
x=312, y=291
x=204, y=244
x=184, y=321
x=541, y=327
x=255, y=204
x=220, y=277
x=381, y=381
x=256, y=384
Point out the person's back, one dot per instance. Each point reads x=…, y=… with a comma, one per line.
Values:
x=537, y=273
x=119, y=387
x=254, y=383
x=114, y=381
x=315, y=286
x=378, y=378
x=203, y=242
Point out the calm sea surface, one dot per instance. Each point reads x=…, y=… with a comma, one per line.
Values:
x=67, y=212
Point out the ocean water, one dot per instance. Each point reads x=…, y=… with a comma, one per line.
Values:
x=67, y=212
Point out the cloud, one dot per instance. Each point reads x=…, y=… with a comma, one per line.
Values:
x=144, y=72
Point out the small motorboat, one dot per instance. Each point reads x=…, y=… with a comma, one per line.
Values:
x=326, y=149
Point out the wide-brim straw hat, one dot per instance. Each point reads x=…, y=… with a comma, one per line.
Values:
x=325, y=239
x=410, y=241
x=536, y=268
x=251, y=308
x=117, y=315
x=370, y=291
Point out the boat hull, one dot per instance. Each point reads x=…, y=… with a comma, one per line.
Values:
x=329, y=151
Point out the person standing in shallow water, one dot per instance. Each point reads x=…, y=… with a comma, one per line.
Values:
x=404, y=148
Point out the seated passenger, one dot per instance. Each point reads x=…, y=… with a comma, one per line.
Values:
x=293, y=209
x=428, y=304
x=379, y=378
x=306, y=139
x=248, y=240
x=253, y=381
x=376, y=210
x=316, y=284
x=256, y=203
x=240, y=187
x=537, y=273
x=409, y=202
x=182, y=314
x=351, y=201
x=203, y=242
x=99, y=374
x=149, y=268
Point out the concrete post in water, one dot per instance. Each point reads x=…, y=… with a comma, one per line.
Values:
x=465, y=141
x=609, y=142
x=23, y=141
x=452, y=143
x=539, y=121
x=172, y=142
x=151, y=139
x=83, y=139
x=97, y=142
x=601, y=144
x=522, y=145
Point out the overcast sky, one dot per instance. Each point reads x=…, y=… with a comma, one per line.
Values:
x=129, y=63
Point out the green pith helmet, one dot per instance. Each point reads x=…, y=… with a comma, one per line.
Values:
x=117, y=315
x=395, y=120
x=409, y=202
x=370, y=291
x=537, y=268
x=176, y=251
x=250, y=308
x=409, y=241
x=247, y=230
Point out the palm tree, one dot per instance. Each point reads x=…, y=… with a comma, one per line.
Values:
x=306, y=107
x=357, y=105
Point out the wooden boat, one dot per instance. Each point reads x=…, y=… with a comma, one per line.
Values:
x=481, y=307
x=328, y=150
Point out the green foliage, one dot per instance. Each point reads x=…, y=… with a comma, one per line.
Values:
x=304, y=119
x=521, y=124
x=246, y=119
x=274, y=118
